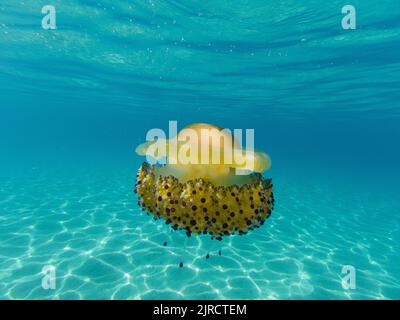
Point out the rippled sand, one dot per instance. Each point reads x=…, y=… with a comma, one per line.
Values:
x=103, y=247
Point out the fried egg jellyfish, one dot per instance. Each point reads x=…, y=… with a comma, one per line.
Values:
x=209, y=184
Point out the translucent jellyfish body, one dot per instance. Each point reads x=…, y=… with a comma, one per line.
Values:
x=206, y=197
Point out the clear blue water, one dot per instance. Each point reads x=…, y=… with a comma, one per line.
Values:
x=75, y=102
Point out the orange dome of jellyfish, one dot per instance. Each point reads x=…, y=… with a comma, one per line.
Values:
x=204, y=196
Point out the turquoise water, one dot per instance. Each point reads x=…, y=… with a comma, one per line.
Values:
x=75, y=102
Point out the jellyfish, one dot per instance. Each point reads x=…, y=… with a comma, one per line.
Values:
x=206, y=197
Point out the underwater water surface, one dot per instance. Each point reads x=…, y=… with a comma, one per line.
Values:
x=75, y=102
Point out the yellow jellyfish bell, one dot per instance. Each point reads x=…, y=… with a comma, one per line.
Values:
x=210, y=184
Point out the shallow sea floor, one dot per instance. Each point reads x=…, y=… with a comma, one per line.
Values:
x=87, y=224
